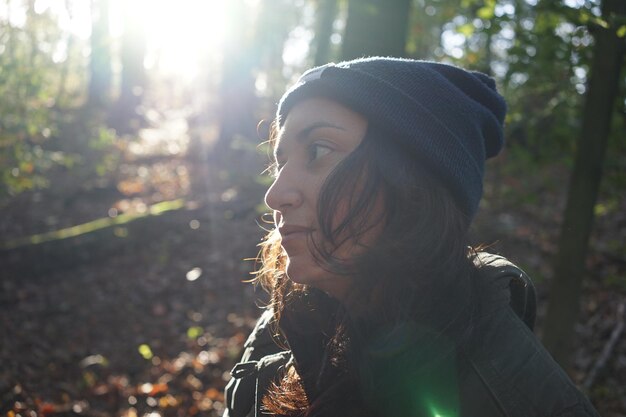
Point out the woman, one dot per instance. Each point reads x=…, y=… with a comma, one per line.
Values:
x=379, y=306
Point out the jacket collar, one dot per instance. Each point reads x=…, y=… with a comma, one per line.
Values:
x=309, y=322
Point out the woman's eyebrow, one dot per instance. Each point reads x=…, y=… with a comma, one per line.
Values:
x=304, y=133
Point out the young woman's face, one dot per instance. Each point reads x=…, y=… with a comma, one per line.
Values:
x=317, y=135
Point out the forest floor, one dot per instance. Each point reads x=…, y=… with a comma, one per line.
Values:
x=148, y=317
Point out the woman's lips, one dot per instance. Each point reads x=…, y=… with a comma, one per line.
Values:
x=290, y=233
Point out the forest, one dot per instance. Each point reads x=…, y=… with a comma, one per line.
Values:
x=132, y=162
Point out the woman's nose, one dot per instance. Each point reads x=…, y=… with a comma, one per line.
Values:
x=283, y=194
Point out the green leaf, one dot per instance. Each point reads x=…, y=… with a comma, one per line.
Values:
x=466, y=30
x=601, y=22
x=485, y=13
x=145, y=351
x=621, y=31
x=194, y=332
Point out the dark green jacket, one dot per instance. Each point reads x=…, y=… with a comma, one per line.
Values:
x=500, y=370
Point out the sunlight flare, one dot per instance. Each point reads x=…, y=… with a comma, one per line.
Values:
x=180, y=36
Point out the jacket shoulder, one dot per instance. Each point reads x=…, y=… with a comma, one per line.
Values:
x=508, y=284
x=506, y=362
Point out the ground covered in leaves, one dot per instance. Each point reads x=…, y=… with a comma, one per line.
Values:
x=148, y=319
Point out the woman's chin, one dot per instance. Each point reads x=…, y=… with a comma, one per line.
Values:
x=307, y=272
x=303, y=271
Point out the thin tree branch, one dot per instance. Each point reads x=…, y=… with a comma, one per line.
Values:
x=608, y=347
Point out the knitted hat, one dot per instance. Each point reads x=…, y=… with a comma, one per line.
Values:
x=451, y=119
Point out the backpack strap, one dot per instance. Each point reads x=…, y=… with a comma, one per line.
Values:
x=513, y=284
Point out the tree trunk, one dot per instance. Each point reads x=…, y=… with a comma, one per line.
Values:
x=237, y=89
x=376, y=27
x=100, y=59
x=325, y=17
x=125, y=118
x=563, y=305
x=488, y=57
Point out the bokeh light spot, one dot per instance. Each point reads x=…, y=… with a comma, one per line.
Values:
x=194, y=274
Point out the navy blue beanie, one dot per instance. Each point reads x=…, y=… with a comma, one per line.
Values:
x=451, y=119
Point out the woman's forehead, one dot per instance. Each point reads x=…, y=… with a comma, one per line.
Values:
x=319, y=113
x=320, y=109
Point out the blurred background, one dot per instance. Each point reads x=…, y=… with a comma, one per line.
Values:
x=131, y=186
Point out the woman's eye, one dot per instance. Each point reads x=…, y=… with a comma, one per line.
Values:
x=317, y=150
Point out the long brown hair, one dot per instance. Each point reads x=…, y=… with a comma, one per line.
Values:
x=417, y=269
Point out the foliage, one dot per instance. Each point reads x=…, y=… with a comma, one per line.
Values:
x=538, y=51
x=27, y=87
x=40, y=126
